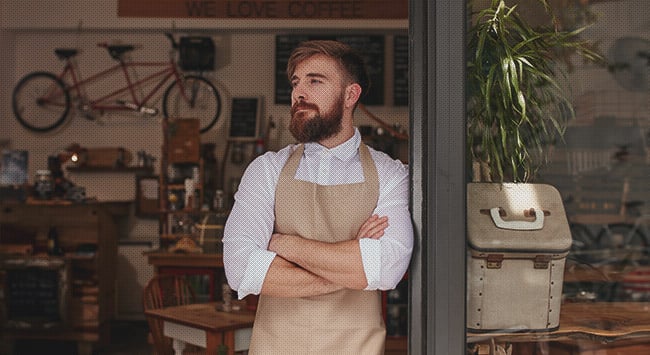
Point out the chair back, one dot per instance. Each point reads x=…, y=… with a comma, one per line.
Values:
x=165, y=291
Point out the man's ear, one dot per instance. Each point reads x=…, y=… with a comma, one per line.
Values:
x=352, y=94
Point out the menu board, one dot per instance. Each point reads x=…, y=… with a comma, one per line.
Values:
x=401, y=70
x=244, y=119
x=371, y=48
x=33, y=294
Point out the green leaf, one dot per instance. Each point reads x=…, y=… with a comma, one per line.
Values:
x=515, y=103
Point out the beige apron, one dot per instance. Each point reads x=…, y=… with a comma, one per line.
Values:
x=342, y=322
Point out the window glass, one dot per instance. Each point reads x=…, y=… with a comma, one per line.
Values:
x=593, y=296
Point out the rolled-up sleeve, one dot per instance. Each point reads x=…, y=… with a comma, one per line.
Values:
x=248, y=229
x=385, y=260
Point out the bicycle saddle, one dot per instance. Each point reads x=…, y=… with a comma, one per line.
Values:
x=65, y=53
x=117, y=51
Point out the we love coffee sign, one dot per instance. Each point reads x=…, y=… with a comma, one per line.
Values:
x=265, y=9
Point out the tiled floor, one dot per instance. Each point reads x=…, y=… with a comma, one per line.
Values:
x=127, y=338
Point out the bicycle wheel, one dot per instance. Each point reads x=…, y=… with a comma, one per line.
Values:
x=195, y=98
x=631, y=244
x=582, y=243
x=582, y=237
x=40, y=102
x=621, y=235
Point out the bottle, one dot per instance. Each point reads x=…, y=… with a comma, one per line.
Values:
x=189, y=194
x=44, y=184
x=237, y=156
x=218, y=201
x=259, y=147
x=53, y=247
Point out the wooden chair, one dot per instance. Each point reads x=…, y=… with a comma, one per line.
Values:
x=165, y=291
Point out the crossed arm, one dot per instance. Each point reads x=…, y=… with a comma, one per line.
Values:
x=304, y=267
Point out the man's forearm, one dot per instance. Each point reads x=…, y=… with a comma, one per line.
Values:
x=285, y=279
x=339, y=263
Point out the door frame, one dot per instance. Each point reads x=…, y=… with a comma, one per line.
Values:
x=438, y=176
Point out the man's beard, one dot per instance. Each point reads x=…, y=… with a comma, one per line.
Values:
x=317, y=128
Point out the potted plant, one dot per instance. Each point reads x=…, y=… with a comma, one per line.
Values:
x=518, y=236
x=515, y=105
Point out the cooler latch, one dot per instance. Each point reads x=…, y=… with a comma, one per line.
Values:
x=542, y=261
x=494, y=261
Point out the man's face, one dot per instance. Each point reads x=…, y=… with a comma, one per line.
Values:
x=317, y=99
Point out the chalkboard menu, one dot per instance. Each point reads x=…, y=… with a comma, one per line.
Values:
x=401, y=70
x=371, y=47
x=33, y=294
x=244, y=119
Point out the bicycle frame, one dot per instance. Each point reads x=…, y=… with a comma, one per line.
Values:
x=101, y=104
x=42, y=100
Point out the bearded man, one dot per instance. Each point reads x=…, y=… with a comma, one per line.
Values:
x=319, y=228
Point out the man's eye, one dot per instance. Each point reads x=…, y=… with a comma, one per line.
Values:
x=316, y=81
x=294, y=84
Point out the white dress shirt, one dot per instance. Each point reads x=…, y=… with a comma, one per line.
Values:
x=250, y=224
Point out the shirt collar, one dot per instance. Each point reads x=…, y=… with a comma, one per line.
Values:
x=344, y=151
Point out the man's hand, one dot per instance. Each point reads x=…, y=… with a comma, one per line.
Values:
x=279, y=241
x=373, y=227
x=285, y=279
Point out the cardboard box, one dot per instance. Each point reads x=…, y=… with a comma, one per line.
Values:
x=183, y=141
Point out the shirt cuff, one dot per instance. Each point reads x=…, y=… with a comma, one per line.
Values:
x=258, y=264
x=371, y=259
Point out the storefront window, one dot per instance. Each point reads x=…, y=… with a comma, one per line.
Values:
x=601, y=171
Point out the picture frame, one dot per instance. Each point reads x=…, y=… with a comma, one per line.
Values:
x=245, y=119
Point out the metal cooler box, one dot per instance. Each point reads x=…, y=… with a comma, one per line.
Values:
x=518, y=238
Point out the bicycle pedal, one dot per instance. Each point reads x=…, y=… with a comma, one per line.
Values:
x=149, y=111
x=129, y=105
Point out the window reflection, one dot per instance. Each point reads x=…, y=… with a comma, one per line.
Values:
x=602, y=171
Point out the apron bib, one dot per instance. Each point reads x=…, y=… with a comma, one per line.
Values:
x=342, y=322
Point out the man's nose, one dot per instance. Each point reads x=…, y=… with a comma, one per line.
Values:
x=298, y=93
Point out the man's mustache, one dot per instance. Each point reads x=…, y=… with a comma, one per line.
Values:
x=303, y=106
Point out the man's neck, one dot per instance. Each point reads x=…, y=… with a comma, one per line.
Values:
x=346, y=133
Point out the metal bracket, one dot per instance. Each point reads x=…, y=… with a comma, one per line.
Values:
x=494, y=261
x=542, y=261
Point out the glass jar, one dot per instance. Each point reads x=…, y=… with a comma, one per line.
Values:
x=43, y=184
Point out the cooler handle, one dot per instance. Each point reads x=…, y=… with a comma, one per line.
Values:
x=537, y=224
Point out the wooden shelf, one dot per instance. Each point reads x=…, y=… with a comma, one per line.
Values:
x=180, y=186
x=181, y=152
x=88, y=274
x=604, y=273
x=110, y=169
x=222, y=214
x=174, y=237
x=161, y=258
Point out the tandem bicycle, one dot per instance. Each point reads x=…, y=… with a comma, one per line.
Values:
x=43, y=101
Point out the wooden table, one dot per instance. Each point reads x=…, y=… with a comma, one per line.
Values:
x=596, y=322
x=203, y=325
x=162, y=259
x=210, y=264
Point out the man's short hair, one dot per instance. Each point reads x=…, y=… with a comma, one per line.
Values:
x=348, y=58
